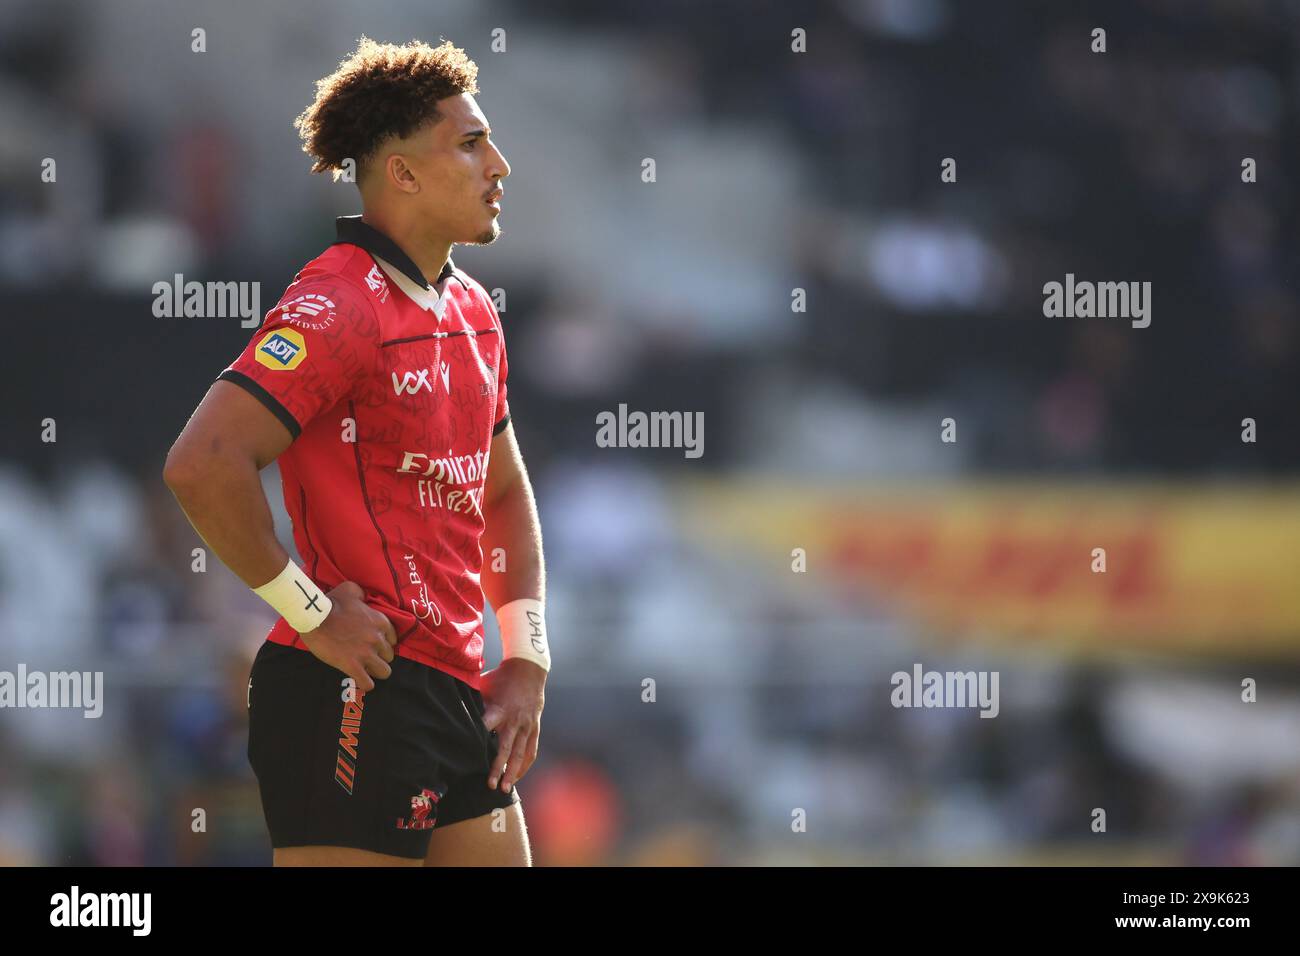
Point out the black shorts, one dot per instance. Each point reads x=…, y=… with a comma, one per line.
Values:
x=377, y=774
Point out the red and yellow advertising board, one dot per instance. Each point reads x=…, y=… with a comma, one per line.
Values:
x=1213, y=567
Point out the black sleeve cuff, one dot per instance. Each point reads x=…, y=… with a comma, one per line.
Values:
x=499, y=427
x=265, y=397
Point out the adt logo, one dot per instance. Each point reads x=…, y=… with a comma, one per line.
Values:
x=375, y=280
x=282, y=349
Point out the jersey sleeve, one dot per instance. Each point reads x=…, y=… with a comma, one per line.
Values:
x=312, y=350
x=503, y=406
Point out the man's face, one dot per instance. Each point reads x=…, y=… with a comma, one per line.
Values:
x=458, y=169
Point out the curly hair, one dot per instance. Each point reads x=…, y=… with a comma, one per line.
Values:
x=380, y=90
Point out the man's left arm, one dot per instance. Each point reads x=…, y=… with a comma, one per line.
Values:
x=513, y=571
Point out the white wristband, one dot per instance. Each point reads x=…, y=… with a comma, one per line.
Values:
x=523, y=631
x=296, y=597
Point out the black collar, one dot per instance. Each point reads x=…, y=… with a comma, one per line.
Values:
x=352, y=230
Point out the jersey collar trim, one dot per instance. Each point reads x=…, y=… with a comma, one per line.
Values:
x=422, y=296
x=351, y=229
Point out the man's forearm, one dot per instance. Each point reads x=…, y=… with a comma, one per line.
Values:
x=225, y=503
x=513, y=566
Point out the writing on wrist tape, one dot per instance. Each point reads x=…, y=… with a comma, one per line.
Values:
x=298, y=599
x=523, y=631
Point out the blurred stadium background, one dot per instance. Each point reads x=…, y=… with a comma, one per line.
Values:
x=775, y=170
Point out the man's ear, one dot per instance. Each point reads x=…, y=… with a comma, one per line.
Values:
x=401, y=174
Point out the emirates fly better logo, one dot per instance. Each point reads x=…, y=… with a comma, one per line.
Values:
x=438, y=476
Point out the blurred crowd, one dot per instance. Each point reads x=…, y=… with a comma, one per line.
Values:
x=775, y=170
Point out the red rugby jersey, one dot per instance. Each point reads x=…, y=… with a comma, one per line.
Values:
x=393, y=390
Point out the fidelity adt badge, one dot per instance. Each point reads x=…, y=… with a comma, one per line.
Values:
x=283, y=349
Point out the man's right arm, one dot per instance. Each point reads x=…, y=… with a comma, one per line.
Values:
x=213, y=471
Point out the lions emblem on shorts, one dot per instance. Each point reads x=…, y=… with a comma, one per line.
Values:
x=424, y=812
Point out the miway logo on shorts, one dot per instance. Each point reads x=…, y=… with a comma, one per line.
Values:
x=102, y=909
x=345, y=770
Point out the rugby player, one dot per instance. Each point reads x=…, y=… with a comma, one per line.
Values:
x=378, y=382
